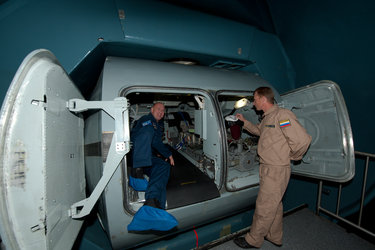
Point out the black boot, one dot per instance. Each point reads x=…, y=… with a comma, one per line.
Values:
x=242, y=243
x=137, y=173
x=153, y=203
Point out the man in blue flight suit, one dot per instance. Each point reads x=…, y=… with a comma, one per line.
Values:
x=150, y=156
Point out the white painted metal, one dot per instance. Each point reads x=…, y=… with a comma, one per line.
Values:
x=321, y=109
x=117, y=109
x=41, y=152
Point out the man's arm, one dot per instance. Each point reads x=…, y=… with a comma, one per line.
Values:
x=296, y=135
x=254, y=129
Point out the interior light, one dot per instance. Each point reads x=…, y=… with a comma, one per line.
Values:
x=241, y=103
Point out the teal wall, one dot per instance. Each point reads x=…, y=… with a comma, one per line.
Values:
x=73, y=30
x=333, y=40
x=69, y=29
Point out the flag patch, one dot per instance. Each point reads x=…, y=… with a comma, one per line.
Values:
x=284, y=123
x=146, y=123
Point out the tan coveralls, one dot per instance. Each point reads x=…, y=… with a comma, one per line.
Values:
x=282, y=138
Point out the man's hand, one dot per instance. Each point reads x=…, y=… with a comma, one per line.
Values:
x=240, y=117
x=171, y=160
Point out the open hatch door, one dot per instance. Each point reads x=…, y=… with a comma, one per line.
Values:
x=321, y=109
x=42, y=168
x=42, y=178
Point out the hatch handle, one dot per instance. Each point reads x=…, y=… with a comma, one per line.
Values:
x=120, y=146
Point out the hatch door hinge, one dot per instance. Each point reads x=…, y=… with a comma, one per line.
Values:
x=120, y=146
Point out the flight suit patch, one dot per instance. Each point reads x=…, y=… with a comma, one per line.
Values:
x=269, y=126
x=146, y=123
x=285, y=123
x=154, y=124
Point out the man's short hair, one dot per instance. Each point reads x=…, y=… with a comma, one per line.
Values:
x=266, y=92
x=157, y=102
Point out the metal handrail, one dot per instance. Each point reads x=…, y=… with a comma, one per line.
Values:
x=336, y=215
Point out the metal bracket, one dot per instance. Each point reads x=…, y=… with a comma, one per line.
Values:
x=120, y=146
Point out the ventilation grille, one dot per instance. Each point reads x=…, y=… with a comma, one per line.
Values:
x=227, y=65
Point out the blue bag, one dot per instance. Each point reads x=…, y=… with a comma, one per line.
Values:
x=138, y=184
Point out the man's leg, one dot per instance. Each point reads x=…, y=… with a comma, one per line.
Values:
x=275, y=234
x=151, y=216
x=158, y=179
x=273, y=183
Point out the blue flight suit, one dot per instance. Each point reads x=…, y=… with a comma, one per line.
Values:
x=146, y=137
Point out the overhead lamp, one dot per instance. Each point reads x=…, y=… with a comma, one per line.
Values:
x=241, y=103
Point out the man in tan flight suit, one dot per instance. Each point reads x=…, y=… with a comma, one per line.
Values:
x=282, y=138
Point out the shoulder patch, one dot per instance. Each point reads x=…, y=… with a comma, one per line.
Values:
x=146, y=123
x=285, y=123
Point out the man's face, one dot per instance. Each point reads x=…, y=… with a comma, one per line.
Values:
x=257, y=102
x=158, y=111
